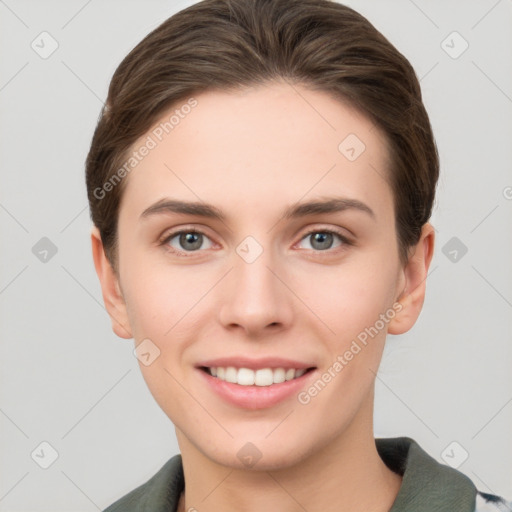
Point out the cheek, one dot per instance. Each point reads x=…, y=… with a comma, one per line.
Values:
x=350, y=297
x=164, y=301
x=161, y=312
x=148, y=308
x=159, y=296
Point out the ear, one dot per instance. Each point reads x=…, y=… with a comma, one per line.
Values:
x=111, y=290
x=415, y=276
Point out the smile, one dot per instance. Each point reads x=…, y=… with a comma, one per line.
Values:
x=258, y=377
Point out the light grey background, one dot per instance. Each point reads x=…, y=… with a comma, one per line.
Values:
x=67, y=380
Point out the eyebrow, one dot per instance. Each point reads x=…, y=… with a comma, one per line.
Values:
x=319, y=206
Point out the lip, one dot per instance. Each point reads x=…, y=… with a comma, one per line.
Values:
x=255, y=397
x=255, y=364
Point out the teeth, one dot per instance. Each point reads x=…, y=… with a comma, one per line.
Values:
x=279, y=375
x=245, y=377
x=231, y=374
x=261, y=377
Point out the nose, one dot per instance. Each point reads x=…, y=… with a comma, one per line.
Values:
x=254, y=296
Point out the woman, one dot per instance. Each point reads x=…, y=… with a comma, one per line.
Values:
x=287, y=143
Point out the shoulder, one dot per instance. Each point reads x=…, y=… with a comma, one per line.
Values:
x=491, y=503
x=428, y=484
x=159, y=494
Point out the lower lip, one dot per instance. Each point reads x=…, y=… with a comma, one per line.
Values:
x=256, y=397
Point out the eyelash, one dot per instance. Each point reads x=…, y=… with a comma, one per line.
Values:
x=188, y=254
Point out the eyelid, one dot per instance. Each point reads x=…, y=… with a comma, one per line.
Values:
x=168, y=235
x=346, y=240
x=172, y=232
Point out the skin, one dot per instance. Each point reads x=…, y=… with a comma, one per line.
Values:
x=253, y=153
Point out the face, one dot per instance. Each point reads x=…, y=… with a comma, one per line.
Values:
x=255, y=278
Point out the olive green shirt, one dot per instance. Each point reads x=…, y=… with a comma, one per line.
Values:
x=427, y=485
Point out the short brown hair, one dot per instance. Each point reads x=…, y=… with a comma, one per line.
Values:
x=228, y=44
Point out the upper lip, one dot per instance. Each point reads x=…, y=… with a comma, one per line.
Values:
x=255, y=364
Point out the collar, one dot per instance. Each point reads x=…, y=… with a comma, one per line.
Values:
x=427, y=485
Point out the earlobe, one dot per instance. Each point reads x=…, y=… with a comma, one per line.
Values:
x=110, y=288
x=415, y=272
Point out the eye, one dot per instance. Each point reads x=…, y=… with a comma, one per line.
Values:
x=186, y=240
x=322, y=239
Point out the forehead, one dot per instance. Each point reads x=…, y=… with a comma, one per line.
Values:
x=259, y=147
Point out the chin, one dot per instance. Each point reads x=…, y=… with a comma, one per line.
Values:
x=257, y=455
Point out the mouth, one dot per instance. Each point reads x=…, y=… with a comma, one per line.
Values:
x=255, y=377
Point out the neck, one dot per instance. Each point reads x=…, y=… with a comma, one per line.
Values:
x=345, y=474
